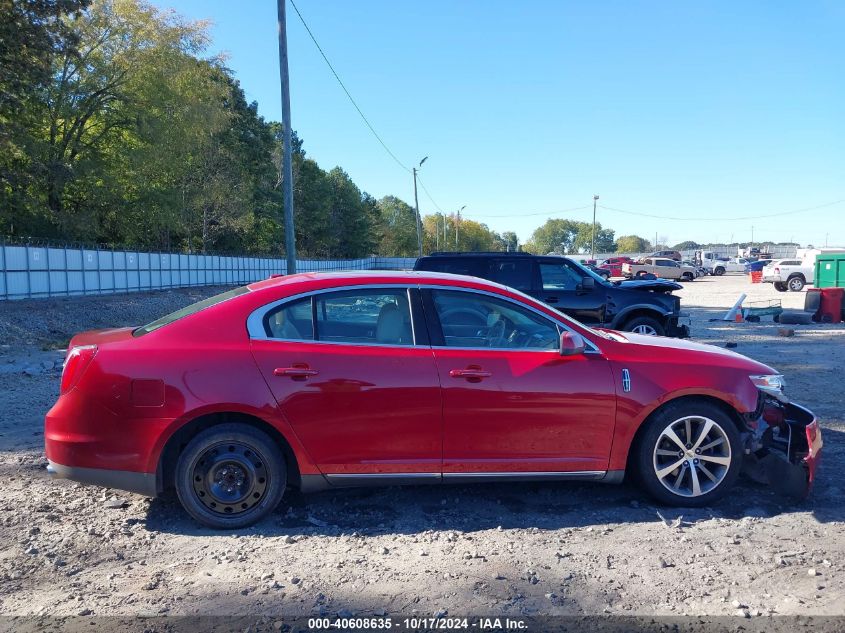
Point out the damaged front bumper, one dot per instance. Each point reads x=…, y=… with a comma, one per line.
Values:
x=783, y=447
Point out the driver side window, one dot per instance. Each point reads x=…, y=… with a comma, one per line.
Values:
x=474, y=320
x=560, y=277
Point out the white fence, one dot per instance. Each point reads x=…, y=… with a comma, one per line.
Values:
x=42, y=271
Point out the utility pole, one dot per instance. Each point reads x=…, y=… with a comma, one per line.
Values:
x=417, y=207
x=593, y=245
x=457, y=225
x=752, y=237
x=286, y=168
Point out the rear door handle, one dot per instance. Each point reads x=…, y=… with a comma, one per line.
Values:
x=470, y=373
x=295, y=372
x=551, y=299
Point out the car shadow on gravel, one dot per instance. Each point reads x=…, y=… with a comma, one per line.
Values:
x=544, y=506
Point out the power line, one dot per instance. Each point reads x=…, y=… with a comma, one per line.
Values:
x=520, y=214
x=732, y=219
x=428, y=195
x=342, y=85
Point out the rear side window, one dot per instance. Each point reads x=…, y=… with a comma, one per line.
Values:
x=381, y=317
x=472, y=266
x=189, y=310
x=291, y=321
x=514, y=273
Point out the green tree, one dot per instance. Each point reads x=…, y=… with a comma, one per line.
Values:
x=32, y=34
x=686, y=246
x=632, y=244
x=398, y=228
x=557, y=235
x=510, y=241
x=604, y=242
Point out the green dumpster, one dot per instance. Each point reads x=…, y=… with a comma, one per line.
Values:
x=830, y=270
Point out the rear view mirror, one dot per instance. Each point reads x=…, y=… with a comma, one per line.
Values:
x=571, y=344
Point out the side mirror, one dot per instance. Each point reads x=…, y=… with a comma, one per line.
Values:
x=587, y=283
x=571, y=344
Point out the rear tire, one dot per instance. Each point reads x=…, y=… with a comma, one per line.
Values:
x=230, y=476
x=701, y=442
x=719, y=271
x=645, y=325
x=796, y=283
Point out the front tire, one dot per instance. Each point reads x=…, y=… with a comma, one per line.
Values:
x=230, y=476
x=689, y=455
x=719, y=271
x=687, y=277
x=645, y=325
x=780, y=286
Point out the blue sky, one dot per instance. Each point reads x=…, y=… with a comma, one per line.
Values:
x=701, y=110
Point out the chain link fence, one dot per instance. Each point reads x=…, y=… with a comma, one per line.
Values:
x=35, y=270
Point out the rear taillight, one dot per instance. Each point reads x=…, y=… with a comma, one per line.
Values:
x=77, y=361
x=777, y=271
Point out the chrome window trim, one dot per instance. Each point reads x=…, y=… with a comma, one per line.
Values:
x=255, y=321
x=592, y=347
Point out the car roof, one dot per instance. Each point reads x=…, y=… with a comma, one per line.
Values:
x=374, y=276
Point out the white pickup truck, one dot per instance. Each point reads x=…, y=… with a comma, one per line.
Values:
x=789, y=274
x=716, y=265
x=661, y=267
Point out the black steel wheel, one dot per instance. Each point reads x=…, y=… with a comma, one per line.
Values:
x=230, y=476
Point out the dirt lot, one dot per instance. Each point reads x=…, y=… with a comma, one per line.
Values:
x=495, y=549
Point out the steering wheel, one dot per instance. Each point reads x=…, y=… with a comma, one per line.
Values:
x=496, y=334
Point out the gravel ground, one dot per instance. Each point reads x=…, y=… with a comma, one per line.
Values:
x=495, y=549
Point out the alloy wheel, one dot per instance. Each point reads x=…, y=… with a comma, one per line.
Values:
x=644, y=329
x=692, y=456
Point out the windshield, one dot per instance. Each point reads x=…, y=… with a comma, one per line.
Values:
x=189, y=310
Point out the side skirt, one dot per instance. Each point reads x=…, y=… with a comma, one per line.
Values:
x=316, y=483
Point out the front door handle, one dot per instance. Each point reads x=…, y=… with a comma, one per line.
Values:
x=472, y=373
x=551, y=299
x=297, y=373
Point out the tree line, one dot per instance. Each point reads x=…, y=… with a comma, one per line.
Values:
x=116, y=127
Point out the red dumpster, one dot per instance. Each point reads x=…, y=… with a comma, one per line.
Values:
x=830, y=307
x=756, y=276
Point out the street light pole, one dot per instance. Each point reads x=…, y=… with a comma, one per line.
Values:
x=457, y=224
x=417, y=207
x=593, y=245
x=286, y=168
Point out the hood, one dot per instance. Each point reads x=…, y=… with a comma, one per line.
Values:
x=653, y=285
x=660, y=345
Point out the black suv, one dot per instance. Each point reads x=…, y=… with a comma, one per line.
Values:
x=645, y=307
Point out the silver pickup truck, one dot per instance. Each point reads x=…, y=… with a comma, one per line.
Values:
x=660, y=267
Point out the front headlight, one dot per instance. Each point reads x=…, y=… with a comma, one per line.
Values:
x=772, y=384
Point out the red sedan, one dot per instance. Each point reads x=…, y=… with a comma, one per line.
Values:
x=317, y=381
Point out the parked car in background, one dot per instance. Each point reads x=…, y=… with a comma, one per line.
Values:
x=331, y=380
x=645, y=307
x=789, y=274
x=614, y=265
x=676, y=255
x=756, y=266
x=716, y=265
x=601, y=272
x=698, y=270
x=662, y=267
